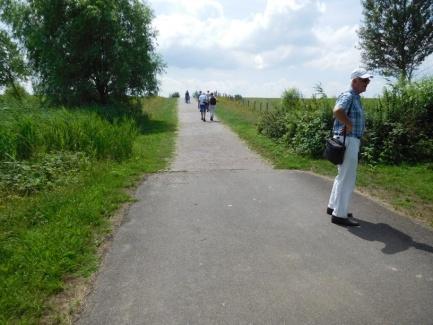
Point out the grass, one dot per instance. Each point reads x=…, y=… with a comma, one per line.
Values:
x=53, y=235
x=408, y=189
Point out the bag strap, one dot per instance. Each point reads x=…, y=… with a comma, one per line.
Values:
x=348, y=114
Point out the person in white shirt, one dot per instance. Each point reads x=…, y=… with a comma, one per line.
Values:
x=202, y=101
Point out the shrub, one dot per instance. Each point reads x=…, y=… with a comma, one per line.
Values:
x=16, y=91
x=291, y=98
x=272, y=123
x=400, y=125
x=312, y=130
x=175, y=95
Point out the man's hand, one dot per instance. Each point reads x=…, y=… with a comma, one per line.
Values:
x=349, y=128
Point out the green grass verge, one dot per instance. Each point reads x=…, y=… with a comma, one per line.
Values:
x=54, y=235
x=408, y=189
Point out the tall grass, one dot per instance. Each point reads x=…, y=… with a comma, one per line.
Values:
x=23, y=135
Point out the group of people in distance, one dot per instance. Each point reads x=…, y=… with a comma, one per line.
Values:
x=206, y=103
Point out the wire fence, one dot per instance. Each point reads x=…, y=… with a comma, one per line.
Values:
x=256, y=104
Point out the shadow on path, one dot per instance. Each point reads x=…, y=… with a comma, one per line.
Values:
x=395, y=241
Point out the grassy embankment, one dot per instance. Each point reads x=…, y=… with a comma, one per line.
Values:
x=407, y=188
x=49, y=236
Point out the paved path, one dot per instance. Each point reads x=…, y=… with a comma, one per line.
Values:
x=223, y=238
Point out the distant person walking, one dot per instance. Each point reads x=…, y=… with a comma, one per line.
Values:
x=207, y=102
x=202, y=102
x=349, y=120
x=187, y=97
x=198, y=101
x=212, y=106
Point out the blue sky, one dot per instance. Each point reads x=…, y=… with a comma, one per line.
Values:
x=258, y=48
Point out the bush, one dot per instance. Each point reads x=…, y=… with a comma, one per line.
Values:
x=312, y=130
x=16, y=91
x=304, y=127
x=272, y=123
x=175, y=95
x=400, y=125
x=291, y=98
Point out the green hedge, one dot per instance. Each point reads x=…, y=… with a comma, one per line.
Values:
x=399, y=125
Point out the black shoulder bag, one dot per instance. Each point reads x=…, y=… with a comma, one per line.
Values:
x=334, y=150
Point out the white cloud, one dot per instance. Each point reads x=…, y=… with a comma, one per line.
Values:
x=259, y=39
x=196, y=8
x=336, y=49
x=259, y=47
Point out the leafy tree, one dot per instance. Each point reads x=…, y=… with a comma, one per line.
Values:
x=12, y=66
x=397, y=35
x=88, y=51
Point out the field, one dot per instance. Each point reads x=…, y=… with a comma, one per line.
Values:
x=261, y=104
x=57, y=210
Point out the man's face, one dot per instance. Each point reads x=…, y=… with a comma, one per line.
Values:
x=360, y=85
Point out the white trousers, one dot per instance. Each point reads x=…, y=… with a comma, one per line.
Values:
x=212, y=110
x=344, y=182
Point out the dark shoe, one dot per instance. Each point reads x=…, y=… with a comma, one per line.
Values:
x=348, y=222
x=211, y=118
x=329, y=211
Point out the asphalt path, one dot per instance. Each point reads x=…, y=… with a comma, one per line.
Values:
x=222, y=238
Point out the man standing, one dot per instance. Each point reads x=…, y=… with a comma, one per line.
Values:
x=202, y=101
x=349, y=120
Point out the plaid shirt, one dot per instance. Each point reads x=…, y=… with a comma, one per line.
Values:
x=345, y=100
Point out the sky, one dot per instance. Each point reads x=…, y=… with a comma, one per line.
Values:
x=258, y=48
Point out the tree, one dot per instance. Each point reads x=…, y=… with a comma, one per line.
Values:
x=396, y=36
x=12, y=66
x=88, y=51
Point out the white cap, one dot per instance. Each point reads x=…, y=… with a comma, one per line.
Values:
x=360, y=73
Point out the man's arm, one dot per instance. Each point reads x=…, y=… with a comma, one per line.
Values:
x=342, y=117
